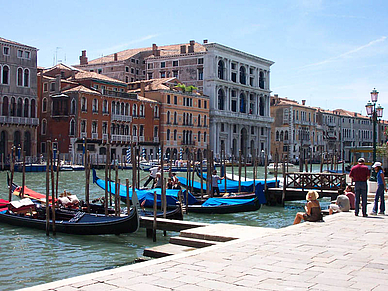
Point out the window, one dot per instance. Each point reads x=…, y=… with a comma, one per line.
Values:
x=32, y=115
x=199, y=103
x=94, y=127
x=83, y=104
x=134, y=110
x=175, y=63
x=175, y=134
x=242, y=76
x=150, y=66
x=105, y=106
x=168, y=99
x=5, y=78
x=104, y=127
x=6, y=51
x=175, y=73
x=261, y=106
x=52, y=86
x=163, y=64
x=149, y=76
x=204, y=121
x=27, y=55
x=234, y=77
x=221, y=70
x=95, y=106
x=200, y=61
x=127, y=69
x=44, y=105
x=20, y=77
x=175, y=100
x=20, y=54
x=175, y=118
x=141, y=109
x=72, y=127
x=261, y=80
x=134, y=130
x=200, y=74
x=204, y=137
x=242, y=103
x=72, y=108
x=44, y=127
x=168, y=134
x=26, y=77
x=162, y=74
x=26, y=105
x=221, y=100
x=83, y=126
x=99, y=71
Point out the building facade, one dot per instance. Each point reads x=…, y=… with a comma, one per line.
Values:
x=237, y=83
x=18, y=99
x=184, y=117
x=82, y=110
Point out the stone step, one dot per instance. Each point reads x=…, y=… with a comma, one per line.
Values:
x=191, y=242
x=166, y=250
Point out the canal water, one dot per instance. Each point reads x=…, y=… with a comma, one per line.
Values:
x=29, y=257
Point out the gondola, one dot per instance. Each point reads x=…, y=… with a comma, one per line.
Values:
x=210, y=205
x=72, y=222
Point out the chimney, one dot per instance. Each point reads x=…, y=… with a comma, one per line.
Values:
x=183, y=49
x=142, y=88
x=115, y=57
x=204, y=41
x=303, y=102
x=155, y=50
x=191, y=46
x=83, y=59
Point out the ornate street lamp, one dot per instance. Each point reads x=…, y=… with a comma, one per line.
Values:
x=374, y=112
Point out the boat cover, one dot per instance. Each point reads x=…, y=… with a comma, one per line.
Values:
x=226, y=201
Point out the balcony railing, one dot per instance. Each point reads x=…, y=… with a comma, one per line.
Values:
x=156, y=139
x=83, y=135
x=94, y=135
x=134, y=138
x=19, y=120
x=104, y=136
x=187, y=142
x=120, y=137
x=125, y=118
x=141, y=138
x=120, y=94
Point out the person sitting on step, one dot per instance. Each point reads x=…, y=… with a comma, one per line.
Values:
x=313, y=209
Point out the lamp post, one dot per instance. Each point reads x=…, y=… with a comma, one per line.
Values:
x=374, y=112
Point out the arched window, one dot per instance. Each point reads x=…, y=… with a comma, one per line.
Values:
x=156, y=111
x=13, y=107
x=118, y=108
x=141, y=130
x=156, y=131
x=113, y=107
x=32, y=115
x=243, y=79
x=191, y=119
x=134, y=110
x=281, y=135
x=5, y=74
x=44, y=127
x=83, y=104
x=261, y=80
x=184, y=118
x=5, y=106
x=126, y=132
x=83, y=126
x=221, y=67
x=199, y=119
x=286, y=135
x=95, y=105
x=261, y=106
x=204, y=136
x=72, y=127
x=26, y=77
x=127, y=109
x=26, y=107
x=44, y=104
x=204, y=120
x=72, y=109
x=134, y=130
x=243, y=105
x=221, y=100
x=94, y=127
x=168, y=117
x=175, y=118
x=277, y=135
x=20, y=77
x=141, y=110
x=184, y=137
x=175, y=133
x=199, y=136
x=168, y=134
x=122, y=109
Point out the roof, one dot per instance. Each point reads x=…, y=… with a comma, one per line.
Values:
x=166, y=50
x=81, y=89
x=16, y=43
x=140, y=98
x=81, y=75
x=61, y=66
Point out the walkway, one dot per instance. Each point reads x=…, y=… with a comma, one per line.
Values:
x=343, y=253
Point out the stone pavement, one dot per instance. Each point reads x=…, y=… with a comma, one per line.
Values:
x=343, y=253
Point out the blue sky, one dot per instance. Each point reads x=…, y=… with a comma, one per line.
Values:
x=330, y=53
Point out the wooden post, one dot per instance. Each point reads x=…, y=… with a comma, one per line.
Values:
x=134, y=169
x=52, y=191
x=321, y=165
x=107, y=181
x=117, y=197
x=211, y=172
x=284, y=182
x=254, y=170
x=154, y=222
x=265, y=175
x=276, y=167
x=201, y=171
x=11, y=167
x=127, y=200
x=116, y=187
x=137, y=162
x=306, y=165
x=239, y=171
x=163, y=196
x=57, y=174
x=208, y=174
x=48, y=146
x=193, y=172
x=226, y=190
x=232, y=167
x=87, y=177
x=24, y=174
x=110, y=180
x=245, y=168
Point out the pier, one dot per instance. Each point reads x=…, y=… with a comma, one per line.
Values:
x=343, y=253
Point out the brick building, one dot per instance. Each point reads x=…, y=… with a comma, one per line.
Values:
x=184, y=116
x=18, y=94
x=78, y=107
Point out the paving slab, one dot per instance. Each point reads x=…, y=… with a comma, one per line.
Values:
x=343, y=253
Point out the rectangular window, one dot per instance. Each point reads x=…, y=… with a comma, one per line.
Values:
x=43, y=147
x=133, y=60
x=162, y=74
x=52, y=86
x=233, y=66
x=20, y=53
x=132, y=70
x=234, y=105
x=200, y=61
x=199, y=103
x=205, y=104
x=149, y=76
x=168, y=99
x=234, y=77
x=200, y=74
x=175, y=74
x=99, y=71
x=175, y=100
x=150, y=66
x=6, y=51
x=27, y=55
x=163, y=64
x=45, y=87
x=175, y=63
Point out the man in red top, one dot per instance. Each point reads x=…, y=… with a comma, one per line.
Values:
x=360, y=175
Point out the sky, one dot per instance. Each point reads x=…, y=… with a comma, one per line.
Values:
x=330, y=53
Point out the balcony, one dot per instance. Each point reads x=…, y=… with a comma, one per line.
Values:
x=83, y=135
x=120, y=94
x=156, y=139
x=125, y=118
x=134, y=138
x=19, y=120
x=188, y=142
x=94, y=135
x=104, y=136
x=141, y=138
x=120, y=138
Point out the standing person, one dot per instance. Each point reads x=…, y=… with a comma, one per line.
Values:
x=152, y=176
x=215, y=179
x=381, y=187
x=360, y=175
